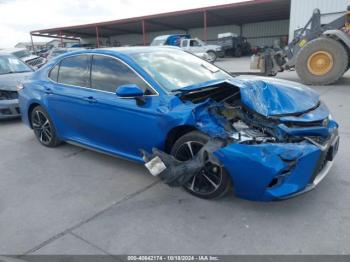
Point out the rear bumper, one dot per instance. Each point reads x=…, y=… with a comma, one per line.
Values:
x=9, y=109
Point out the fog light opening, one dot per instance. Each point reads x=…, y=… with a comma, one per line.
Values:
x=274, y=182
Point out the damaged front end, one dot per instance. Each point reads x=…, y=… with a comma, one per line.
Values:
x=9, y=107
x=274, y=139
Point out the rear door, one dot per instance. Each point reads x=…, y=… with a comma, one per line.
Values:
x=70, y=96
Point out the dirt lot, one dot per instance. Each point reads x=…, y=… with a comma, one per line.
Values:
x=74, y=201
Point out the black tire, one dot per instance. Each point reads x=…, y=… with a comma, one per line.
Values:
x=238, y=52
x=339, y=56
x=200, y=185
x=212, y=56
x=43, y=127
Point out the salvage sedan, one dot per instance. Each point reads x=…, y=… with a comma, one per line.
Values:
x=191, y=123
x=12, y=71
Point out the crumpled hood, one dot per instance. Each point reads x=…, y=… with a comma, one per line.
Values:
x=9, y=81
x=271, y=96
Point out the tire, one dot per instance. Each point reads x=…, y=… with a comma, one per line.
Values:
x=212, y=56
x=200, y=186
x=238, y=52
x=43, y=127
x=339, y=58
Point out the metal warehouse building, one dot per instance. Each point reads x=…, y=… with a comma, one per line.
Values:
x=260, y=21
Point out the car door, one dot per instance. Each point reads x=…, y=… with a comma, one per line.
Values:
x=184, y=44
x=195, y=46
x=121, y=125
x=69, y=96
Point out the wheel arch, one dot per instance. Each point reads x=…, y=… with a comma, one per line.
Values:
x=341, y=37
x=174, y=134
x=29, y=112
x=211, y=50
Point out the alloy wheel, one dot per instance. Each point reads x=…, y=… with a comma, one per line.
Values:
x=208, y=179
x=42, y=127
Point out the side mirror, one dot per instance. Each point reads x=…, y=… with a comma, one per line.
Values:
x=131, y=91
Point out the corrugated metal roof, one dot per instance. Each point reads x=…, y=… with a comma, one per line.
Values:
x=235, y=13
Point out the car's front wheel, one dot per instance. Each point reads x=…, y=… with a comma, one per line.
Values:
x=212, y=56
x=43, y=127
x=212, y=181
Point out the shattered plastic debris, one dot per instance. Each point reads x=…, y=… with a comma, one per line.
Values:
x=155, y=166
x=178, y=173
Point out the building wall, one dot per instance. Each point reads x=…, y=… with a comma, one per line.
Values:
x=301, y=11
x=264, y=33
x=213, y=31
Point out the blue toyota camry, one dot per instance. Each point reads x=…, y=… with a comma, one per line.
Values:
x=191, y=123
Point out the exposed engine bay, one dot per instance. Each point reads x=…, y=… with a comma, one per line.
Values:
x=241, y=124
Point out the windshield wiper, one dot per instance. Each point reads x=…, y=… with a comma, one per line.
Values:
x=14, y=72
x=211, y=69
x=23, y=71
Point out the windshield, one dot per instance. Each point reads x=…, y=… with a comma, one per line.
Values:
x=158, y=42
x=22, y=53
x=11, y=64
x=174, y=69
x=200, y=41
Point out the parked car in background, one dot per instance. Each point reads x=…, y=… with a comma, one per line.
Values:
x=197, y=45
x=234, y=45
x=192, y=45
x=193, y=124
x=43, y=52
x=59, y=51
x=12, y=71
x=27, y=57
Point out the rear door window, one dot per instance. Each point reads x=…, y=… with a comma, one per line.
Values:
x=108, y=73
x=75, y=71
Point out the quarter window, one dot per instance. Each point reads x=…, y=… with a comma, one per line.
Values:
x=107, y=74
x=75, y=71
x=54, y=73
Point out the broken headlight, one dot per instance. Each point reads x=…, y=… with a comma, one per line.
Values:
x=244, y=133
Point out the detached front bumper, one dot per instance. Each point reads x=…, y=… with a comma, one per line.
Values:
x=267, y=172
x=9, y=109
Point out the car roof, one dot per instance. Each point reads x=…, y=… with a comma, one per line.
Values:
x=138, y=49
x=12, y=49
x=122, y=50
x=68, y=48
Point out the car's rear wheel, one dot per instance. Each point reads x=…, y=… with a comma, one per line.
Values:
x=43, y=127
x=212, y=181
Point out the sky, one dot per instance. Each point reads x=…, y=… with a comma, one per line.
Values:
x=19, y=17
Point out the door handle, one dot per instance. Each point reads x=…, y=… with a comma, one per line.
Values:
x=90, y=99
